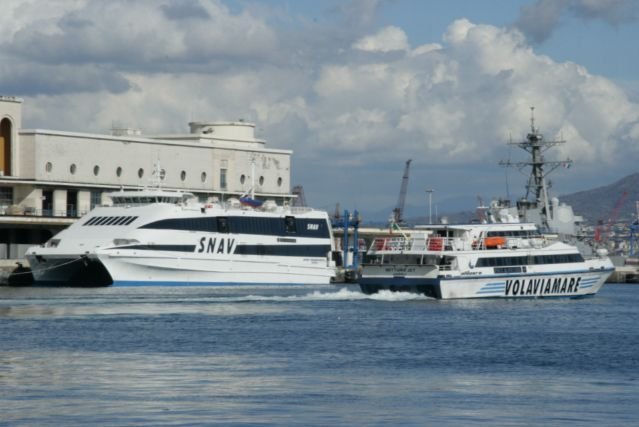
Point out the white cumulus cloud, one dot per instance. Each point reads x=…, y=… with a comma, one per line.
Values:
x=364, y=96
x=385, y=40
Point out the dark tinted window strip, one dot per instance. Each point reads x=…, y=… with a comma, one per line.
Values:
x=207, y=224
x=284, y=250
x=247, y=225
x=523, y=260
x=171, y=248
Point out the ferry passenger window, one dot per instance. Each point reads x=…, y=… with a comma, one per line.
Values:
x=242, y=179
x=118, y=171
x=183, y=175
x=261, y=180
x=289, y=224
x=140, y=173
x=48, y=167
x=96, y=170
x=279, y=181
x=222, y=224
x=73, y=168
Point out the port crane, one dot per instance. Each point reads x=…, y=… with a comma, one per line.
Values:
x=398, y=212
x=602, y=235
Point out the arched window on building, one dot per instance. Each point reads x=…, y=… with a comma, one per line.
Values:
x=5, y=146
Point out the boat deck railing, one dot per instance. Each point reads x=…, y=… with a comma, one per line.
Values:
x=440, y=244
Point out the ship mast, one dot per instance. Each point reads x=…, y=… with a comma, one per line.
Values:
x=537, y=185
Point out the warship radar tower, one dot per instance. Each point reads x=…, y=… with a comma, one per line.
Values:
x=536, y=206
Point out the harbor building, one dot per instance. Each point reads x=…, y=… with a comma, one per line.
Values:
x=49, y=178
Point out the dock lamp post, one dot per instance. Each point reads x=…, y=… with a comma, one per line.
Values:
x=430, y=204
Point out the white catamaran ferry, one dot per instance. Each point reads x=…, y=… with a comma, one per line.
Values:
x=500, y=260
x=160, y=237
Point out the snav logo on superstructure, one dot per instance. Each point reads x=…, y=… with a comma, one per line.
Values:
x=214, y=245
x=312, y=227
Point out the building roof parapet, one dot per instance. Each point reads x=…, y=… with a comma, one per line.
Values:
x=184, y=139
x=11, y=99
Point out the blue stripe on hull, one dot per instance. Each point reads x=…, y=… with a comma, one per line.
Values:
x=519, y=275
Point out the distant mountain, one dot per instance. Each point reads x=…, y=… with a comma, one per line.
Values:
x=594, y=205
x=599, y=203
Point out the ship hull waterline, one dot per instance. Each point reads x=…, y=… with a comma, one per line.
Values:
x=575, y=284
x=108, y=270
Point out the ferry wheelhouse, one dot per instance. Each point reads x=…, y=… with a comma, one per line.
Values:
x=160, y=237
x=496, y=260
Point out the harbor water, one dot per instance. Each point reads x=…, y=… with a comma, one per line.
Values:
x=319, y=356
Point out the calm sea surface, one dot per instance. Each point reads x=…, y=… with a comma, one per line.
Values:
x=314, y=356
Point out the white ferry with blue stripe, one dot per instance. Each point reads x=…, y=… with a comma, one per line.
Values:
x=160, y=237
x=498, y=260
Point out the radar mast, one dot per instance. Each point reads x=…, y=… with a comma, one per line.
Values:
x=537, y=185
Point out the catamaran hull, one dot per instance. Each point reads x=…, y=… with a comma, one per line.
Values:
x=109, y=270
x=573, y=284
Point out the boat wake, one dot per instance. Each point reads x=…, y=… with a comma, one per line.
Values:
x=341, y=295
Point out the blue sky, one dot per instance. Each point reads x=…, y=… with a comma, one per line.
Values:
x=355, y=88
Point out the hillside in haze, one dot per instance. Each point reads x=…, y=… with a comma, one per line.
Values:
x=599, y=203
x=594, y=205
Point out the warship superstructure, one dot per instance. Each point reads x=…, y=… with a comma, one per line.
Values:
x=536, y=206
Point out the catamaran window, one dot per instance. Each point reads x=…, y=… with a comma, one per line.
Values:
x=140, y=173
x=112, y=220
x=130, y=220
x=261, y=180
x=279, y=181
x=222, y=224
x=183, y=175
x=118, y=171
x=73, y=168
x=247, y=225
x=203, y=177
x=91, y=220
x=289, y=224
x=96, y=170
x=513, y=233
x=121, y=220
x=101, y=221
x=522, y=260
x=48, y=167
x=242, y=179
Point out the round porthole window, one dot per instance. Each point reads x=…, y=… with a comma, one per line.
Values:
x=48, y=167
x=183, y=175
x=96, y=170
x=140, y=173
x=73, y=168
x=118, y=171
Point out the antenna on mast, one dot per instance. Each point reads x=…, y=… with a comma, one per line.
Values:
x=537, y=186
